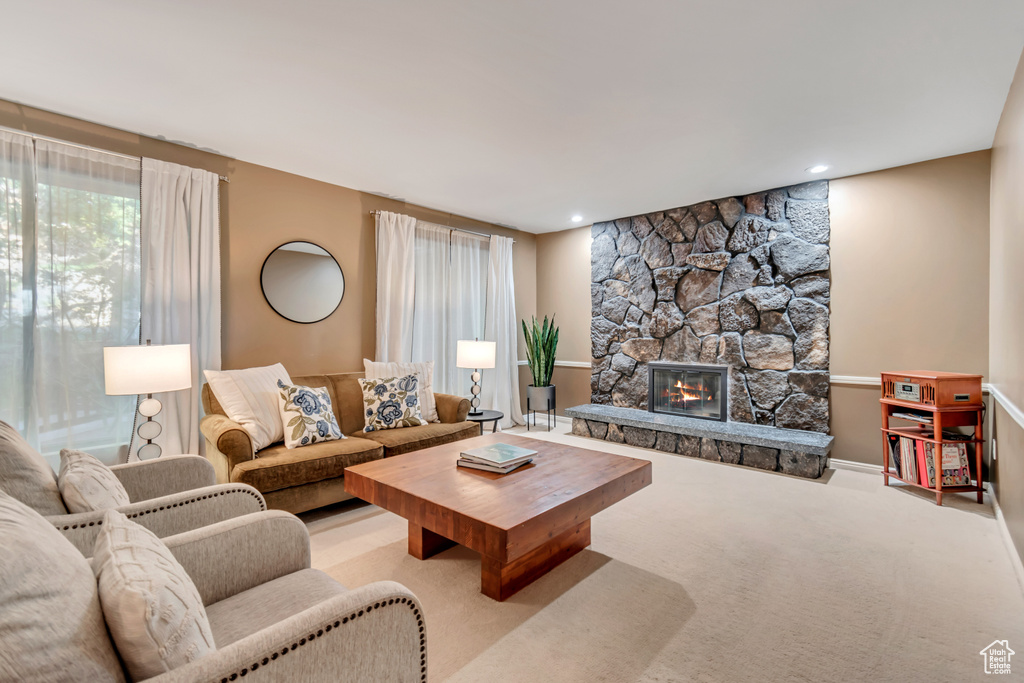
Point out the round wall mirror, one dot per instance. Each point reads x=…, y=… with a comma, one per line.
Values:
x=302, y=282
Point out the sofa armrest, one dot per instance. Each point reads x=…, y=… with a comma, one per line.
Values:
x=166, y=515
x=373, y=633
x=165, y=475
x=451, y=408
x=232, y=556
x=228, y=442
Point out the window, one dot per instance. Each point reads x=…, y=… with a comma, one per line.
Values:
x=69, y=245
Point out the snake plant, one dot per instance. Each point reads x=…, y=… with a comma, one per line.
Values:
x=541, y=341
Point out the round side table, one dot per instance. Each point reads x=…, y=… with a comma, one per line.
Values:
x=487, y=416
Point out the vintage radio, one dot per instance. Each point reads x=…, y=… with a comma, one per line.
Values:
x=939, y=389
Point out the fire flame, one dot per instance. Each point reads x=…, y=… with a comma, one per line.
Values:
x=686, y=391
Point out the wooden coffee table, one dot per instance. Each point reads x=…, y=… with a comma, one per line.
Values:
x=523, y=523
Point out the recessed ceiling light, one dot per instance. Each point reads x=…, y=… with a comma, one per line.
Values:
x=820, y=168
x=577, y=218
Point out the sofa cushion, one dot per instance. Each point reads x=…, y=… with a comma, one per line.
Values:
x=324, y=381
x=398, y=441
x=349, y=403
x=51, y=623
x=153, y=609
x=249, y=397
x=279, y=467
x=25, y=474
x=86, y=484
x=260, y=607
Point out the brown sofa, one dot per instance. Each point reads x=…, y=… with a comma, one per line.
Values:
x=304, y=478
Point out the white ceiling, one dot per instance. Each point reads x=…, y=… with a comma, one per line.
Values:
x=524, y=113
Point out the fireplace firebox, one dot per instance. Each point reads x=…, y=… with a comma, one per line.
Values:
x=689, y=390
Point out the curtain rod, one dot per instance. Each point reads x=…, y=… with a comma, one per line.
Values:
x=36, y=136
x=376, y=212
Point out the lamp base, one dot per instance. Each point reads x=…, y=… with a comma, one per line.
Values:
x=474, y=403
x=150, y=429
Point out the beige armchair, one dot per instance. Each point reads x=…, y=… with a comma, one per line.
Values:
x=275, y=619
x=272, y=617
x=168, y=495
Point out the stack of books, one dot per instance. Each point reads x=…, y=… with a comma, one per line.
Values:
x=500, y=457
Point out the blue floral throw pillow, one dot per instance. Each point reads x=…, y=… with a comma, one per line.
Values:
x=307, y=415
x=391, y=403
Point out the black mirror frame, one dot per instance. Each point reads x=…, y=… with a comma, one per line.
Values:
x=264, y=291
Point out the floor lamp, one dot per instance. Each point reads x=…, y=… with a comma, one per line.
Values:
x=474, y=355
x=149, y=370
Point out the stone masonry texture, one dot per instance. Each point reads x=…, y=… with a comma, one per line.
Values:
x=740, y=281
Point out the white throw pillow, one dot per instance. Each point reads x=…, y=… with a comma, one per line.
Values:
x=249, y=397
x=86, y=484
x=153, y=610
x=307, y=415
x=428, y=406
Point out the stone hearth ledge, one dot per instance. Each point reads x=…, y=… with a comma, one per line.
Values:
x=796, y=452
x=814, y=443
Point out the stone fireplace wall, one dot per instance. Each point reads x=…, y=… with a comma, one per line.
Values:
x=741, y=281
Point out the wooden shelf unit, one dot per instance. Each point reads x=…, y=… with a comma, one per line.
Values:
x=942, y=416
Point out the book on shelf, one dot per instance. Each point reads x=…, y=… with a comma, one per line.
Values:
x=500, y=454
x=955, y=470
x=908, y=458
x=487, y=467
x=894, y=453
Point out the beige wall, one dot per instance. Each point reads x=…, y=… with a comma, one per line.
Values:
x=1006, y=306
x=260, y=209
x=909, y=252
x=563, y=290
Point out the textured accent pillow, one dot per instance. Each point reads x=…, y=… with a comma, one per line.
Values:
x=153, y=610
x=51, y=624
x=249, y=397
x=307, y=415
x=428, y=406
x=86, y=484
x=25, y=474
x=391, y=403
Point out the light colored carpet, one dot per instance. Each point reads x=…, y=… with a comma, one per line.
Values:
x=717, y=573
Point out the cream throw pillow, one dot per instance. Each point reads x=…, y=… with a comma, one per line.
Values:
x=250, y=398
x=51, y=623
x=428, y=406
x=153, y=610
x=86, y=484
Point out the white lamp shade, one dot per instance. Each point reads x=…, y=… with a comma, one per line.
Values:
x=146, y=369
x=474, y=354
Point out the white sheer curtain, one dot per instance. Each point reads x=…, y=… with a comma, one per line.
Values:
x=468, y=293
x=396, y=281
x=430, y=326
x=501, y=385
x=181, y=284
x=69, y=219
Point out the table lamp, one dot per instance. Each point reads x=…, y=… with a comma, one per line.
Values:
x=147, y=370
x=474, y=355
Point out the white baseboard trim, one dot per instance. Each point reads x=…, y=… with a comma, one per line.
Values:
x=857, y=380
x=855, y=466
x=566, y=363
x=1004, y=531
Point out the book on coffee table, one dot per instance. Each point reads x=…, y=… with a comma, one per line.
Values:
x=499, y=454
x=500, y=469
